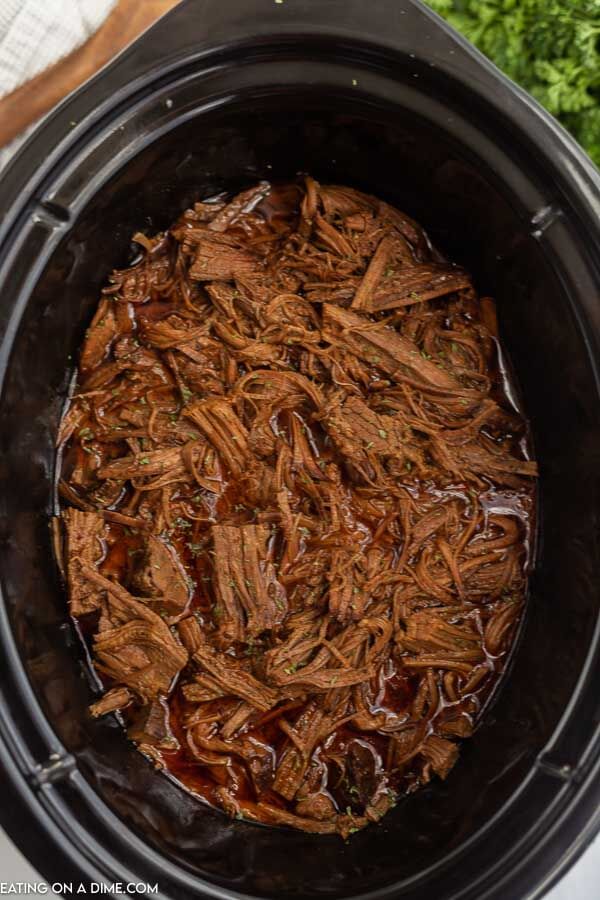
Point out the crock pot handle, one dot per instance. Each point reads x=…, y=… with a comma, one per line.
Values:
x=192, y=25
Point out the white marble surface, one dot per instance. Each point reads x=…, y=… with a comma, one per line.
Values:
x=580, y=883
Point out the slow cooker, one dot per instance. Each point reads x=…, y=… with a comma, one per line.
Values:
x=385, y=97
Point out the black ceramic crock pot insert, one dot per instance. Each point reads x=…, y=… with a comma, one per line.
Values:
x=383, y=96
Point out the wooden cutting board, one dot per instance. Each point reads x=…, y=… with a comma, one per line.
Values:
x=33, y=99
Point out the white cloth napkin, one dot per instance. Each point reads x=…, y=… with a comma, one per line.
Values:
x=34, y=34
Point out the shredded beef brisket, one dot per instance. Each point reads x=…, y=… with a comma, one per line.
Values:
x=297, y=504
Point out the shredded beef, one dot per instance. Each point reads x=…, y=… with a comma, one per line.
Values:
x=297, y=504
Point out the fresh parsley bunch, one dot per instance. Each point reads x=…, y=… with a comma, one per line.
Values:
x=550, y=47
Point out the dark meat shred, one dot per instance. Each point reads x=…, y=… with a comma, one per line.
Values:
x=251, y=599
x=84, y=544
x=297, y=504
